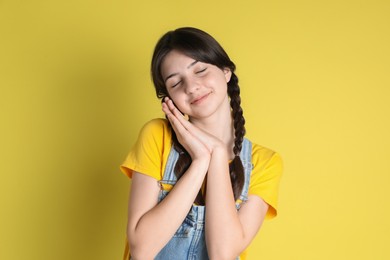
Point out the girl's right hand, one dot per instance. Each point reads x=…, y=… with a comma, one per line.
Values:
x=183, y=129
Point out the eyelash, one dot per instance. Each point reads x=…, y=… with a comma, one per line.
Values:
x=202, y=70
x=176, y=84
x=198, y=72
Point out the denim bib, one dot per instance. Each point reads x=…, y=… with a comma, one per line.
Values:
x=189, y=240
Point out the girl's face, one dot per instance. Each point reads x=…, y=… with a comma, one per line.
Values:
x=198, y=89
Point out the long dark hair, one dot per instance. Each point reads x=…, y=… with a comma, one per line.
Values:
x=202, y=47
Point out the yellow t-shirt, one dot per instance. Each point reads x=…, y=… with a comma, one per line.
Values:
x=150, y=154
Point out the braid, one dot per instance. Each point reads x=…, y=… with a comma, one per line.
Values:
x=237, y=176
x=236, y=168
x=201, y=46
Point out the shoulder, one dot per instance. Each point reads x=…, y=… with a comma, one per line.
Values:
x=267, y=164
x=156, y=128
x=156, y=124
x=262, y=155
x=149, y=152
x=265, y=177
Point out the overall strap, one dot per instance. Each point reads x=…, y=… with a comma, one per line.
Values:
x=169, y=175
x=246, y=158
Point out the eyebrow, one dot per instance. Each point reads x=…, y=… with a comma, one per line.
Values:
x=174, y=74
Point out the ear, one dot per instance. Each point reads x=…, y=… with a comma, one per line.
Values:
x=228, y=74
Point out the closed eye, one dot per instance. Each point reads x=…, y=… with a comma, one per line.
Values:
x=174, y=85
x=200, y=71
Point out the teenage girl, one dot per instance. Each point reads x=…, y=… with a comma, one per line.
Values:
x=200, y=189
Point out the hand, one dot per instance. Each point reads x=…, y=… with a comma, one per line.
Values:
x=210, y=141
x=186, y=132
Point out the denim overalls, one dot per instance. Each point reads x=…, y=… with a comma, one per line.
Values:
x=189, y=242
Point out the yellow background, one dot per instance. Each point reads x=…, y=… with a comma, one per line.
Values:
x=75, y=89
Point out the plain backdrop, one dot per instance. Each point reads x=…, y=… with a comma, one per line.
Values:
x=76, y=88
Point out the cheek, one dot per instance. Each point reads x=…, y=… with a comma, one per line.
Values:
x=177, y=99
x=219, y=83
x=172, y=95
x=218, y=78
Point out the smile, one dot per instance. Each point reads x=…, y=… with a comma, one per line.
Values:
x=199, y=99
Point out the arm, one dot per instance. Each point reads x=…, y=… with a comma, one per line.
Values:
x=228, y=232
x=152, y=225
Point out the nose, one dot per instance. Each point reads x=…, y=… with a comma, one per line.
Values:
x=191, y=85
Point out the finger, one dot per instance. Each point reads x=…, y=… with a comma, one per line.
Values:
x=169, y=108
x=166, y=109
x=173, y=108
x=175, y=119
x=176, y=112
x=178, y=118
x=185, y=131
x=177, y=125
x=171, y=117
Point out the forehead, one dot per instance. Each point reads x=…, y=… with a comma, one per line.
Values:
x=175, y=61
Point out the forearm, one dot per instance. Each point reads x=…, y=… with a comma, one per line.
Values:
x=224, y=231
x=155, y=228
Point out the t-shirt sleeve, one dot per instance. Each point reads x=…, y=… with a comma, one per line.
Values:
x=146, y=155
x=265, y=177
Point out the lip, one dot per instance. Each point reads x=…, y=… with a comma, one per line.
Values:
x=199, y=99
